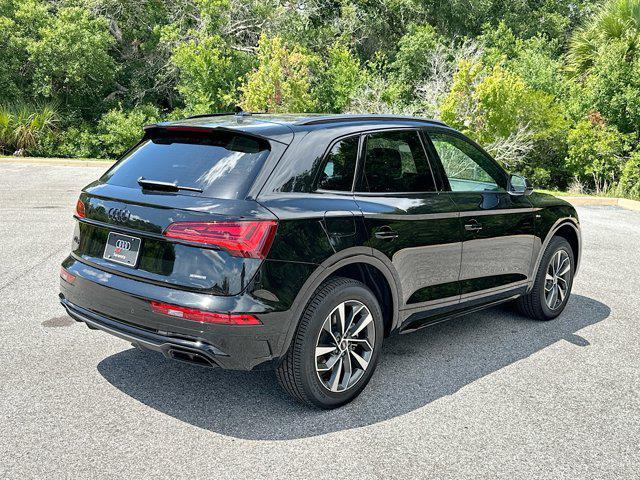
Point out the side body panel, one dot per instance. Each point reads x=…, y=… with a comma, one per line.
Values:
x=497, y=253
x=426, y=252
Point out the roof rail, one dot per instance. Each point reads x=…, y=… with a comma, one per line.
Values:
x=372, y=118
x=205, y=115
x=238, y=113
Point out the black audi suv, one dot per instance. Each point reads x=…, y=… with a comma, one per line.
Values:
x=298, y=243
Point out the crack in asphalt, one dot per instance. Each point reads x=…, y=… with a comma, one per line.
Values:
x=13, y=279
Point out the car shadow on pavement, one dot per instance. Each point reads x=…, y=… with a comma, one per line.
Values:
x=414, y=370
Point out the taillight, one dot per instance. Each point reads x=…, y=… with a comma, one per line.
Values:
x=80, y=213
x=244, y=238
x=204, y=317
x=66, y=276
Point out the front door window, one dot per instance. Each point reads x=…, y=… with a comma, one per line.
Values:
x=466, y=167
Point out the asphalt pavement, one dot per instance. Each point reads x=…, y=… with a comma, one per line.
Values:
x=489, y=395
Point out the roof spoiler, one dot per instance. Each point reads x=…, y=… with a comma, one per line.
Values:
x=170, y=127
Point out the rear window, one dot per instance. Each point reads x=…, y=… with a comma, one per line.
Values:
x=221, y=164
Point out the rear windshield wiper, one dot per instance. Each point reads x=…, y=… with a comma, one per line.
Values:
x=165, y=186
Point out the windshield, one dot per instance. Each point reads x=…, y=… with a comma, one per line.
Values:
x=221, y=164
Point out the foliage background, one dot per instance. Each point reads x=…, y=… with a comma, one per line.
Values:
x=550, y=87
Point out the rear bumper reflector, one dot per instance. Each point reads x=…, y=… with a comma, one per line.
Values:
x=66, y=276
x=203, y=316
x=192, y=351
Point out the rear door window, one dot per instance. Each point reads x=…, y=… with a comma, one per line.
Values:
x=221, y=164
x=396, y=162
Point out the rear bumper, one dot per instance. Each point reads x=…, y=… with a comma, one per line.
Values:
x=120, y=306
x=191, y=351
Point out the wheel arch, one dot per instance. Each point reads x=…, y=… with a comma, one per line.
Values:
x=363, y=265
x=567, y=228
x=569, y=232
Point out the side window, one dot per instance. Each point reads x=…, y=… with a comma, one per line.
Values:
x=466, y=167
x=396, y=162
x=340, y=165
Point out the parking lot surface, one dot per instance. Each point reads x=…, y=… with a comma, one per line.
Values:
x=489, y=395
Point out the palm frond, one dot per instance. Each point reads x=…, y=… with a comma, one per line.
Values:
x=616, y=20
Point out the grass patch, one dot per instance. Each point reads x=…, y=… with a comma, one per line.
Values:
x=558, y=193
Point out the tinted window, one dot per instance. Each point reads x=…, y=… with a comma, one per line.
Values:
x=466, y=167
x=340, y=165
x=396, y=162
x=223, y=165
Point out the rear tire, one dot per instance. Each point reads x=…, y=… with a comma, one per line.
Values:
x=336, y=346
x=551, y=291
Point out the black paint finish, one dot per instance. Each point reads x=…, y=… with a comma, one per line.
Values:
x=426, y=255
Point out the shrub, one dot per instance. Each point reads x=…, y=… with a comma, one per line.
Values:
x=72, y=142
x=596, y=152
x=283, y=80
x=22, y=126
x=118, y=130
x=630, y=177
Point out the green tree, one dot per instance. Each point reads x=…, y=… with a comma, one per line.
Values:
x=596, y=153
x=494, y=104
x=338, y=79
x=144, y=72
x=612, y=87
x=283, y=81
x=71, y=60
x=10, y=66
x=498, y=108
x=604, y=59
x=209, y=74
x=20, y=22
x=617, y=20
x=414, y=49
x=534, y=59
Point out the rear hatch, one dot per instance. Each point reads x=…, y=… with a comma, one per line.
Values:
x=175, y=211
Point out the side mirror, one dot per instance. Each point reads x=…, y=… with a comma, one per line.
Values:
x=519, y=185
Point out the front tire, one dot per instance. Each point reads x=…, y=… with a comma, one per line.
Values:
x=336, y=346
x=552, y=287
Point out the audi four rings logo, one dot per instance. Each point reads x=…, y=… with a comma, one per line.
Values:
x=123, y=245
x=119, y=215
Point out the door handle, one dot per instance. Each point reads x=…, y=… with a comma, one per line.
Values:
x=473, y=226
x=385, y=233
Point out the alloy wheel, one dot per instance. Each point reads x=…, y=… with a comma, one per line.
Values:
x=345, y=346
x=556, y=285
